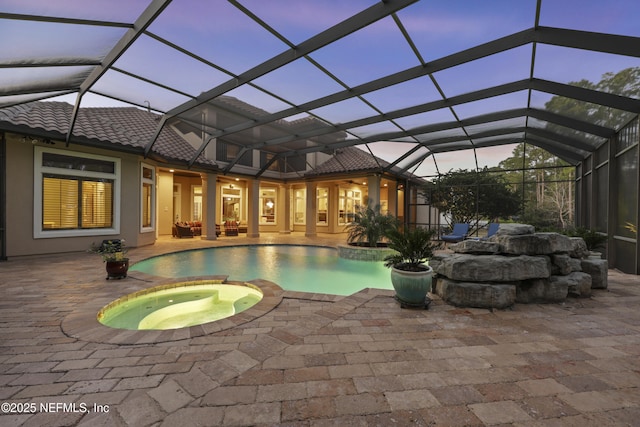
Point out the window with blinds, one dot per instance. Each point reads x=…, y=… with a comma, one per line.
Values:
x=75, y=193
x=70, y=203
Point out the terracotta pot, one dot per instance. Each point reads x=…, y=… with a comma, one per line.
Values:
x=117, y=269
x=412, y=286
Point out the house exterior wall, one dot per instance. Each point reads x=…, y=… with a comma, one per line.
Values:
x=20, y=238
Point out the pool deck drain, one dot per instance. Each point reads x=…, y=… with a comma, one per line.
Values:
x=357, y=360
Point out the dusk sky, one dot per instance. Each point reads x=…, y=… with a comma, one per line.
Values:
x=222, y=34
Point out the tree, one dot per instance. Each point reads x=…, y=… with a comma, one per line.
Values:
x=623, y=83
x=546, y=184
x=469, y=196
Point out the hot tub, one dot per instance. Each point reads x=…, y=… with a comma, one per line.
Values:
x=178, y=305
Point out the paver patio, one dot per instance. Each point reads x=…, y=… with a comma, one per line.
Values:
x=315, y=360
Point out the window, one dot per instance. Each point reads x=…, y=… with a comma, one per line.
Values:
x=347, y=203
x=299, y=203
x=75, y=194
x=268, y=206
x=228, y=152
x=266, y=158
x=231, y=203
x=196, y=202
x=70, y=203
x=148, y=197
x=296, y=163
x=323, y=205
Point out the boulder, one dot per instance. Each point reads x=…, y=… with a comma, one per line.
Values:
x=578, y=284
x=436, y=260
x=478, y=247
x=576, y=264
x=578, y=248
x=492, y=268
x=517, y=265
x=561, y=264
x=509, y=229
x=540, y=291
x=597, y=269
x=479, y=295
x=534, y=244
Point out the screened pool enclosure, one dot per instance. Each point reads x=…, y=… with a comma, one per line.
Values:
x=428, y=86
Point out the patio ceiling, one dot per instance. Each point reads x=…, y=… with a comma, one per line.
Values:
x=408, y=81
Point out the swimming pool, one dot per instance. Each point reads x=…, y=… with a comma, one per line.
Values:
x=293, y=267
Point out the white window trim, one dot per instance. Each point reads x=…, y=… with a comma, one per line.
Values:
x=318, y=197
x=151, y=181
x=39, y=170
x=192, y=197
x=239, y=197
x=275, y=206
x=356, y=201
x=294, y=211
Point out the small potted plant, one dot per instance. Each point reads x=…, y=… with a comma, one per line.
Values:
x=114, y=254
x=411, y=277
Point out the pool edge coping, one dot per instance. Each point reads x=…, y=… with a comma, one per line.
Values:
x=82, y=323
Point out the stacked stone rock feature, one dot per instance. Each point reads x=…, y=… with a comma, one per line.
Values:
x=517, y=265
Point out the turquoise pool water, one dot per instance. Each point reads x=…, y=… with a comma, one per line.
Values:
x=296, y=268
x=178, y=306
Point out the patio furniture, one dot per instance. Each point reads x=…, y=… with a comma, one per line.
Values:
x=458, y=234
x=181, y=231
x=230, y=228
x=491, y=230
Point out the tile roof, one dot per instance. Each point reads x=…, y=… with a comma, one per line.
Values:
x=353, y=159
x=128, y=128
x=349, y=159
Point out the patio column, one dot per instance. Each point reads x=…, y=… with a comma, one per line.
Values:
x=284, y=208
x=311, y=209
x=209, y=191
x=253, y=217
x=373, y=186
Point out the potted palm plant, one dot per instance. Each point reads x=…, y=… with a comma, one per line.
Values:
x=113, y=253
x=411, y=277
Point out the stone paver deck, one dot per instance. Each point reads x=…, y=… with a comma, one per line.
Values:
x=312, y=360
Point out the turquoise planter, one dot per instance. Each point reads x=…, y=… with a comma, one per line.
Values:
x=411, y=287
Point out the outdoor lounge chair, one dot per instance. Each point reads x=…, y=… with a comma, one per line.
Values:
x=459, y=233
x=491, y=230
